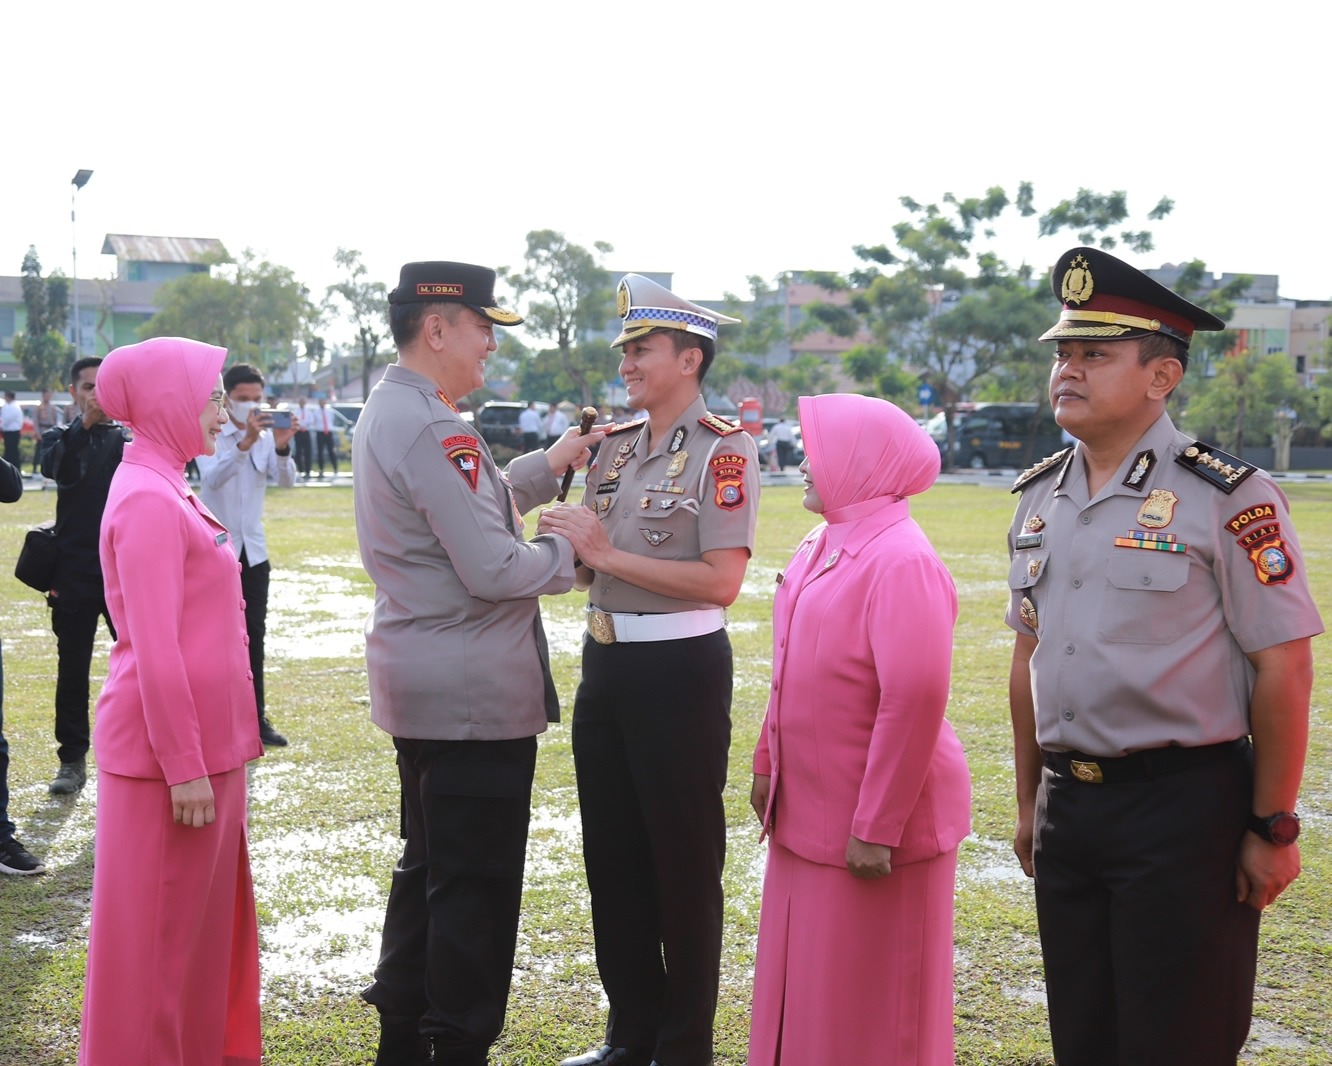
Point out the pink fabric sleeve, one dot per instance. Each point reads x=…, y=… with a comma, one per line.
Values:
x=910, y=616
x=148, y=539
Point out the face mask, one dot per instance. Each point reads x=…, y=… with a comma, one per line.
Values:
x=240, y=411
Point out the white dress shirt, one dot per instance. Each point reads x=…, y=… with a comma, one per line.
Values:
x=232, y=486
x=11, y=417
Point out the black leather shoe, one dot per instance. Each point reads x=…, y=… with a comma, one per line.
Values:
x=270, y=736
x=607, y=1056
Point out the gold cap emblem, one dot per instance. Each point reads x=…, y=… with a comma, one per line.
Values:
x=1077, y=286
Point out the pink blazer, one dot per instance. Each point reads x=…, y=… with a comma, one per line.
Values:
x=854, y=738
x=178, y=703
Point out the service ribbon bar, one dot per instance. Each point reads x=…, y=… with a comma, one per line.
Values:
x=1170, y=545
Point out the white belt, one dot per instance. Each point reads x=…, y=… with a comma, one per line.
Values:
x=608, y=628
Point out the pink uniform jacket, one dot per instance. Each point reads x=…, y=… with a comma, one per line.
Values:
x=178, y=703
x=854, y=738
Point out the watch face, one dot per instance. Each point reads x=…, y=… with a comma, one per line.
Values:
x=1284, y=828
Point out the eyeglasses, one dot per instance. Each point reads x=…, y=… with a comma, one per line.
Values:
x=219, y=399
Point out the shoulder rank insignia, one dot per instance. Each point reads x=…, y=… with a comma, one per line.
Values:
x=1217, y=468
x=1035, y=473
x=720, y=426
x=625, y=427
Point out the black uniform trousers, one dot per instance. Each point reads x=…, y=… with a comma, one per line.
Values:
x=254, y=590
x=327, y=445
x=74, y=622
x=304, y=452
x=651, y=734
x=1149, y=959
x=451, y=927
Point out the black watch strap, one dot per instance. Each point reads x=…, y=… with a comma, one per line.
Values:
x=1282, y=828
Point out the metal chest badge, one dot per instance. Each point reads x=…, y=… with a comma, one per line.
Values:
x=1158, y=509
x=1027, y=612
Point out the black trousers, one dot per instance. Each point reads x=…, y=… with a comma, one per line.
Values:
x=304, y=450
x=651, y=735
x=6, y=825
x=451, y=927
x=12, y=437
x=327, y=446
x=254, y=589
x=1149, y=960
x=74, y=623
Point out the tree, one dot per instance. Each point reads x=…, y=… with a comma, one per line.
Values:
x=255, y=309
x=365, y=304
x=956, y=315
x=1244, y=399
x=41, y=350
x=575, y=298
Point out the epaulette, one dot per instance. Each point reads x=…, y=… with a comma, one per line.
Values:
x=625, y=427
x=720, y=426
x=1035, y=473
x=1217, y=468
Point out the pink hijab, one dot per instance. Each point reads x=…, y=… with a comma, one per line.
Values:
x=864, y=452
x=158, y=388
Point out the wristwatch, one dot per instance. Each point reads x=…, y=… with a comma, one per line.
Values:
x=1281, y=828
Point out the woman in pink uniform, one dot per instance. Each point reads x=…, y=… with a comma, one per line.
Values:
x=860, y=783
x=173, y=951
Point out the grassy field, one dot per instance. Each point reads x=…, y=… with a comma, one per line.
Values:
x=323, y=816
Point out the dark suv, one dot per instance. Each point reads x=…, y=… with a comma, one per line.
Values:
x=1003, y=435
x=497, y=422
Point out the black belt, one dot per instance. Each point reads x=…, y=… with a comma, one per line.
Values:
x=1139, y=766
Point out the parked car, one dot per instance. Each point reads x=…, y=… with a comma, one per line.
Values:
x=497, y=422
x=350, y=411
x=999, y=435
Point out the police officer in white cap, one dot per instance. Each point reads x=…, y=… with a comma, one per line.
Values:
x=664, y=536
x=1160, y=690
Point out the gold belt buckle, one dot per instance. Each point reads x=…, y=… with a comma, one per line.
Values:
x=601, y=626
x=1089, y=772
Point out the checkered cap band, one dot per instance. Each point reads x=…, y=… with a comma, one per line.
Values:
x=665, y=314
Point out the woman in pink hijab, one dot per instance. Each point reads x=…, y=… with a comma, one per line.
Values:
x=173, y=950
x=860, y=783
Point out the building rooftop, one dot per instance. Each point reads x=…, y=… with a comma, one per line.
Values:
x=134, y=248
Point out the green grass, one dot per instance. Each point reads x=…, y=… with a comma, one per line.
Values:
x=324, y=816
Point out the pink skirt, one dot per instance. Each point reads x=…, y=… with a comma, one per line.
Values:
x=173, y=949
x=854, y=971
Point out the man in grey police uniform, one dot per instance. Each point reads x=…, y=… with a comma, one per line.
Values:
x=664, y=535
x=457, y=663
x=1159, y=690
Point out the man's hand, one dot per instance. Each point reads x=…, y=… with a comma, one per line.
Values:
x=1263, y=871
x=581, y=528
x=192, y=803
x=573, y=450
x=867, y=861
x=1023, y=843
x=92, y=411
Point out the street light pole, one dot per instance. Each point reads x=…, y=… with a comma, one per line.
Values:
x=79, y=180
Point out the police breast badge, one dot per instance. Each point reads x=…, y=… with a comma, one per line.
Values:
x=1158, y=509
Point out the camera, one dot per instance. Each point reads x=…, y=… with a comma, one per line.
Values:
x=279, y=418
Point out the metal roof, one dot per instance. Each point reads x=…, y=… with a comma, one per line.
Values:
x=134, y=248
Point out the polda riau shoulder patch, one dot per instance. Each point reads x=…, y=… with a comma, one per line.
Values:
x=720, y=426
x=1035, y=473
x=1219, y=469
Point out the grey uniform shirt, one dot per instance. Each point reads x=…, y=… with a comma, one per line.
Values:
x=1141, y=647
x=451, y=647
x=696, y=491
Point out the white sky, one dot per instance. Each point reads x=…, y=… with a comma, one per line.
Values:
x=715, y=140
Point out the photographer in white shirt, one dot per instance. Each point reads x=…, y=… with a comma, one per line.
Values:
x=251, y=450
